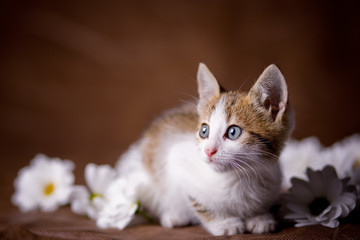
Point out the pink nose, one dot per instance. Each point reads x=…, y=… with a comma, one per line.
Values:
x=210, y=151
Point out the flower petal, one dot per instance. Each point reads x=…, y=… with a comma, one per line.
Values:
x=310, y=220
x=317, y=182
x=79, y=199
x=99, y=177
x=329, y=172
x=334, y=189
x=335, y=212
x=301, y=190
x=331, y=223
x=300, y=209
x=116, y=214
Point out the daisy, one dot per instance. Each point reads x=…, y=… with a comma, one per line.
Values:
x=344, y=155
x=45, y=184
x=109, y=199
x=297, y=156
x=355, y=179
x=120, y=207
x=321, y=200
x=91, y=199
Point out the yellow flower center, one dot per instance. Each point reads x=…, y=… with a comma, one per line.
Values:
x=356, y=164
x=49, y=189
x=94, y=195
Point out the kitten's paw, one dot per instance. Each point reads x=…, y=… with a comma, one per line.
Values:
x=261, y=224
x=170, y=220
x=228, y=226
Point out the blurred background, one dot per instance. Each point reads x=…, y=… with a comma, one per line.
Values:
x=81, y=80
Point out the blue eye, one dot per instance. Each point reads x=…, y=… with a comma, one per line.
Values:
x=233, y=132
x=204, y=131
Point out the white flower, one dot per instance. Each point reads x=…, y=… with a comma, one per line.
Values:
x=120, y=207
x=110, y=200
x=355, y=179
x=344, y=155
x=45, y=184
x=297, y=156
x=321, y=200
x=91, y=200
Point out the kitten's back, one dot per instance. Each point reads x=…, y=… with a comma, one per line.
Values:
x=165, y=130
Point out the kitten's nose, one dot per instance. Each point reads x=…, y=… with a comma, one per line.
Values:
x=210, y=151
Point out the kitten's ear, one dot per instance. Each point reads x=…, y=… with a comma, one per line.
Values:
x=208, y=86
x=270, y=91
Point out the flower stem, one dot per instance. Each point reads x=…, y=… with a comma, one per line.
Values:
x=143, y=214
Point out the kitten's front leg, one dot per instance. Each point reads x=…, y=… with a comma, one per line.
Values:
x=216, y=224
x=221, y=225
x=261, y=224
x=172, y=219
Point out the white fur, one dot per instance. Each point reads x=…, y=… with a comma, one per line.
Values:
x=235, y=186
x=217, y=129
x=187, y=172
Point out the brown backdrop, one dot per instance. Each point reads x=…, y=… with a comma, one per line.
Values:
x=81, y=79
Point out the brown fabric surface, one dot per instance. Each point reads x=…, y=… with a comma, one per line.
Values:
x=63, y=224
x=80, y=80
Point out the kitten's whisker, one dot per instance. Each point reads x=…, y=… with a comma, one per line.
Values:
x=188, y=102
x=237, y=165
x=245, y=163
x=242, y=170
x=194, y=98
x=237, y=170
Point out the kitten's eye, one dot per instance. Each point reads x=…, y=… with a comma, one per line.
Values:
x=233, y=132
x=204, y=131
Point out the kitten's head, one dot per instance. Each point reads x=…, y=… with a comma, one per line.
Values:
x=239, y=130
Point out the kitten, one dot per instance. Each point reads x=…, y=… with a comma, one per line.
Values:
x=215, y=163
